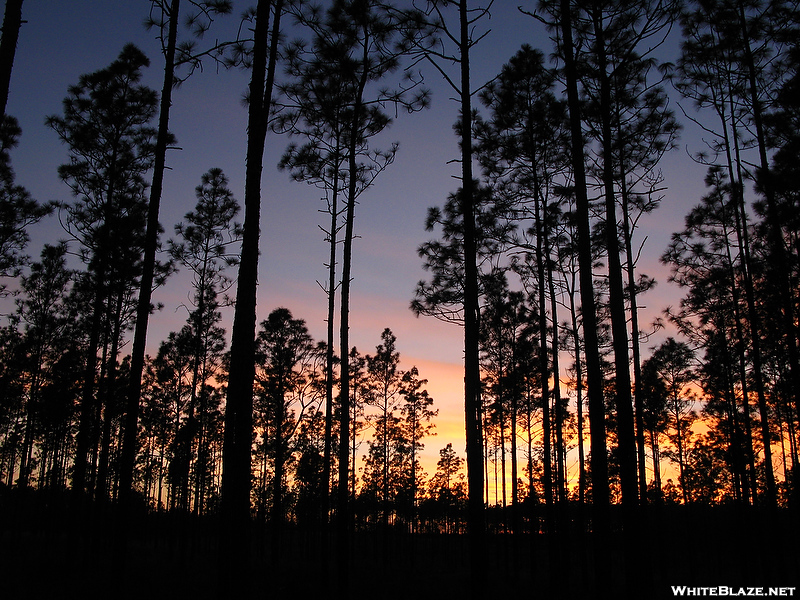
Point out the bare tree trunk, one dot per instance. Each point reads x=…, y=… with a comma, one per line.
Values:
x=544, y=364
x=239, y=407
x=472, y=397
x=12, y=21
x=343, y=500
x=515, y=528
x=778, y=262
x=329, y=350
x=143, y=308
x=108, y=399
x=594, y=376
x=638, y=401
x=87, y=408
x=654, y=448
x=619, y=332
x=561, y=451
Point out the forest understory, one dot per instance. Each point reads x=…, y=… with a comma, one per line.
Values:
x=51, y=549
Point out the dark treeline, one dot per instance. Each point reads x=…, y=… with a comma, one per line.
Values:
x=588, y=446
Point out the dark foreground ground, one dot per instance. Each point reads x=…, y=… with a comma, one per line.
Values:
x=49, y=551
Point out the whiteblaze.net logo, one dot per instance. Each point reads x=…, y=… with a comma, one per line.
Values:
x=730, y=591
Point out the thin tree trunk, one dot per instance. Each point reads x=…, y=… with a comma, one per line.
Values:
x=743, y=239
x=594, y=376
x=88, y=401
x=329, y=350
x=343, y=503
x=143, y=308
x=31, y=409
x=638, y=401
x=503, y=467
x=779, y=263
x=740, y=346
x=108, y=396
x=561, y=451
x=344, y=466
x=353, y=440
x=679, y=444
x=12, y=21
x=544, y=364
x=656, y=463
x=472, y=397
x=279, y=463
x=576, y=340
x=741, y=493
x=515, y=528
x=385, y=466
x=625, y=433
x=239, y=407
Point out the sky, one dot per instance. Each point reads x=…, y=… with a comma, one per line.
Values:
x=59, y=41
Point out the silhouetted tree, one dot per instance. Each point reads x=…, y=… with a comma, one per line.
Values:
x=330, y=102
x=523, y=152
x=285, y=354
x=713, y=312
x=309, y=473
x=207, y=246
x=383, y=384
x=460, y=31
x=418, y=413
x=562, y=25
x=447, y=487
x=155, y=436
x=168, y=397
x=260, y=56
x=732, y=66
x=316, y=111
x=164, y=14
x=672, y=361
x=44, y=315
x=106, y=125
x=18, y=211
x=359, y=392
x=619, y=42
x=401, y=420
x=654, y=403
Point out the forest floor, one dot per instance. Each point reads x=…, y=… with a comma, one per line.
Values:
x=48, y=552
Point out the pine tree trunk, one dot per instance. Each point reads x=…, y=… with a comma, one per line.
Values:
x=31, y=410
x=472, y=398
x=544, y=366
x=638, y=402
x=88, y=403
x=515, y=528
x=625, y=434
x=561, y=451
x=656, y=464
x=594, y=376
x=143, y=308
x=12, y=21
x=343, y=517
x=576, y=340
x=740, y=346
x=343, y=502
x=329, y=350
x=778, y=262
x=239, y=407
x=108, y=400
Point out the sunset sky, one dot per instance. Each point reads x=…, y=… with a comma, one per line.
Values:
x=62, y=40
